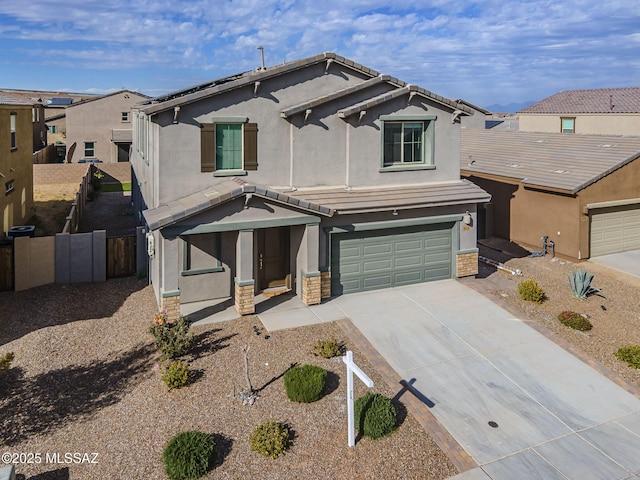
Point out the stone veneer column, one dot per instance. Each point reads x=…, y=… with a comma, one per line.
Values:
x=170, y=303
x=467, y=263
x=244, y=288
x=244, y=296
x=311, y=288
x=325, y=284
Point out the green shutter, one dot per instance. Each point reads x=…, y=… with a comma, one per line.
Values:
x=207, y=148
x=251, y=146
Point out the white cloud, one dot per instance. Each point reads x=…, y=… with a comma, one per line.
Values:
x=483, y=50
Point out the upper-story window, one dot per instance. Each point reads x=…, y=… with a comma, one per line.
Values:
x=568, y=125
x=12, y=126
x=229, y=146
x=8, y=187
x=407, y=142
x=124, y=117
x=89, y=149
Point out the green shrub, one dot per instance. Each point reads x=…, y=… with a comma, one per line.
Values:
x=374, y=415
x=580, y=283
x=629, y=354
x=189, y=455
x=327, y=348
x=176, y=375
x=271, y=439
x=305, y=383
x=172, y=338
x=5, y=362
x=530, y=291
x=574, y=320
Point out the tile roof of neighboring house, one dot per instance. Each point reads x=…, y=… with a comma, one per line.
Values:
x=600, y=100
x=9, y=100
x=197, y=92
x=385, y=198
x=550, y=161
x=41, y=96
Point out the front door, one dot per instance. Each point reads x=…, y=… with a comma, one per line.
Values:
x=273, y=257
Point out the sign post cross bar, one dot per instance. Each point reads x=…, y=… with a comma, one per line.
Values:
x=351, y=369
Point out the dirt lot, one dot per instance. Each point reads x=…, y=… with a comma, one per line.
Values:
x=85, y=380
x=52, y=205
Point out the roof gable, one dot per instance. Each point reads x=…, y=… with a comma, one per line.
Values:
x=601, y=100
x=209, y=89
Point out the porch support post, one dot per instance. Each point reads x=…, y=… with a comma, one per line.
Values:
x=310, y=274
x=170, y=290
x=244, y=283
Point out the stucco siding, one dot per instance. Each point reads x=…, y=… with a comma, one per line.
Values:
x=16, y=165
x=585, y=124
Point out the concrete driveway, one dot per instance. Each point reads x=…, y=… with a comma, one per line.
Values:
x=627, y=262
x=476, y=365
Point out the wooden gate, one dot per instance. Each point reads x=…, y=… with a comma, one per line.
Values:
x=121, y=256
x=6, y=267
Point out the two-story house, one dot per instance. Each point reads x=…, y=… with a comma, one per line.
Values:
x=320, y=176
x=601, y=111
x=100, y=128
x=16, y=163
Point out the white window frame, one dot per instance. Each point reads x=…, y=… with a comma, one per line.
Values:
x=93, y=149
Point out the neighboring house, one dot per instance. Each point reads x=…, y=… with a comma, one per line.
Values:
x=602, y=111
x=477, y=121
x=321, y=176
x=582, y=191
x=16, y=163
x=100, y=128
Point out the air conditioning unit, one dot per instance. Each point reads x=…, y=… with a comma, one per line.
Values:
x=23, y=231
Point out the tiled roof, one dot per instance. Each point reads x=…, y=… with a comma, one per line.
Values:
x=601, y=100
x=193, y=204
x=554, y=161
x=8, y=100
x=375, y=199
x=197, y=92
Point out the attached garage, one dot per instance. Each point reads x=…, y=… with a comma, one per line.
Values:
x=368, y=260
x=615, y=229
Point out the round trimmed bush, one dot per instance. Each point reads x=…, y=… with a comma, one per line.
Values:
x=189, y=455
x=176, y=375
x=629, y=354
x=574, y=320
x=271, y=439
x=375, y=415
x=305, y=383
x=530, y=291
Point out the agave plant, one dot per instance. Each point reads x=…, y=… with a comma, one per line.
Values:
x=580, y=282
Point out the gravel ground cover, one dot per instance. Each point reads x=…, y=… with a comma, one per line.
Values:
x=85, y=379
x=614, y=312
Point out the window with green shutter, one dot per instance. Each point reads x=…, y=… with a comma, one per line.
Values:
x=229, y=148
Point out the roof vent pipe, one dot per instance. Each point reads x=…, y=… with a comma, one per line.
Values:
x=611, y=103
x=262, y=67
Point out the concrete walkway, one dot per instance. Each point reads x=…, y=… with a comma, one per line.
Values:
x=519, y=405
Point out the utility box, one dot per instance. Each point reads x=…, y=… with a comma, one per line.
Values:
x=23, y=231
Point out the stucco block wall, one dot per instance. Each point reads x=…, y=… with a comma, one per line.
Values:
x=35, y=263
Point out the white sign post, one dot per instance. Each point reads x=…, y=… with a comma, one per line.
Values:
x=351, y=369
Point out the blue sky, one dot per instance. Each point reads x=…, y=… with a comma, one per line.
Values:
x=487, y=52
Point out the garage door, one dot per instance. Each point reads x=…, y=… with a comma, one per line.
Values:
x=615, y=229
x=374, y=259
